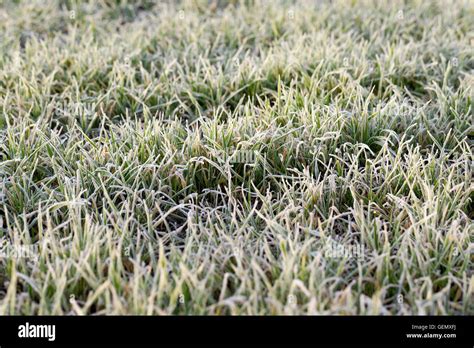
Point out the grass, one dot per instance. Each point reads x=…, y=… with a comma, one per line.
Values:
x=212, y=157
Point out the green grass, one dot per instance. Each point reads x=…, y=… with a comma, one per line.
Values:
x=210, y=157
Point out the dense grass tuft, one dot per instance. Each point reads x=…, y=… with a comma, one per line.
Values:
x=212, y=157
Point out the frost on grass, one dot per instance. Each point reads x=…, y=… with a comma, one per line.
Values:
x=236, y=157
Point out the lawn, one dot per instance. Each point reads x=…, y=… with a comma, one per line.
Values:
x=236, y=157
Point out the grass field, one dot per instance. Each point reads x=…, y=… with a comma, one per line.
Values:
x=236, y=157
